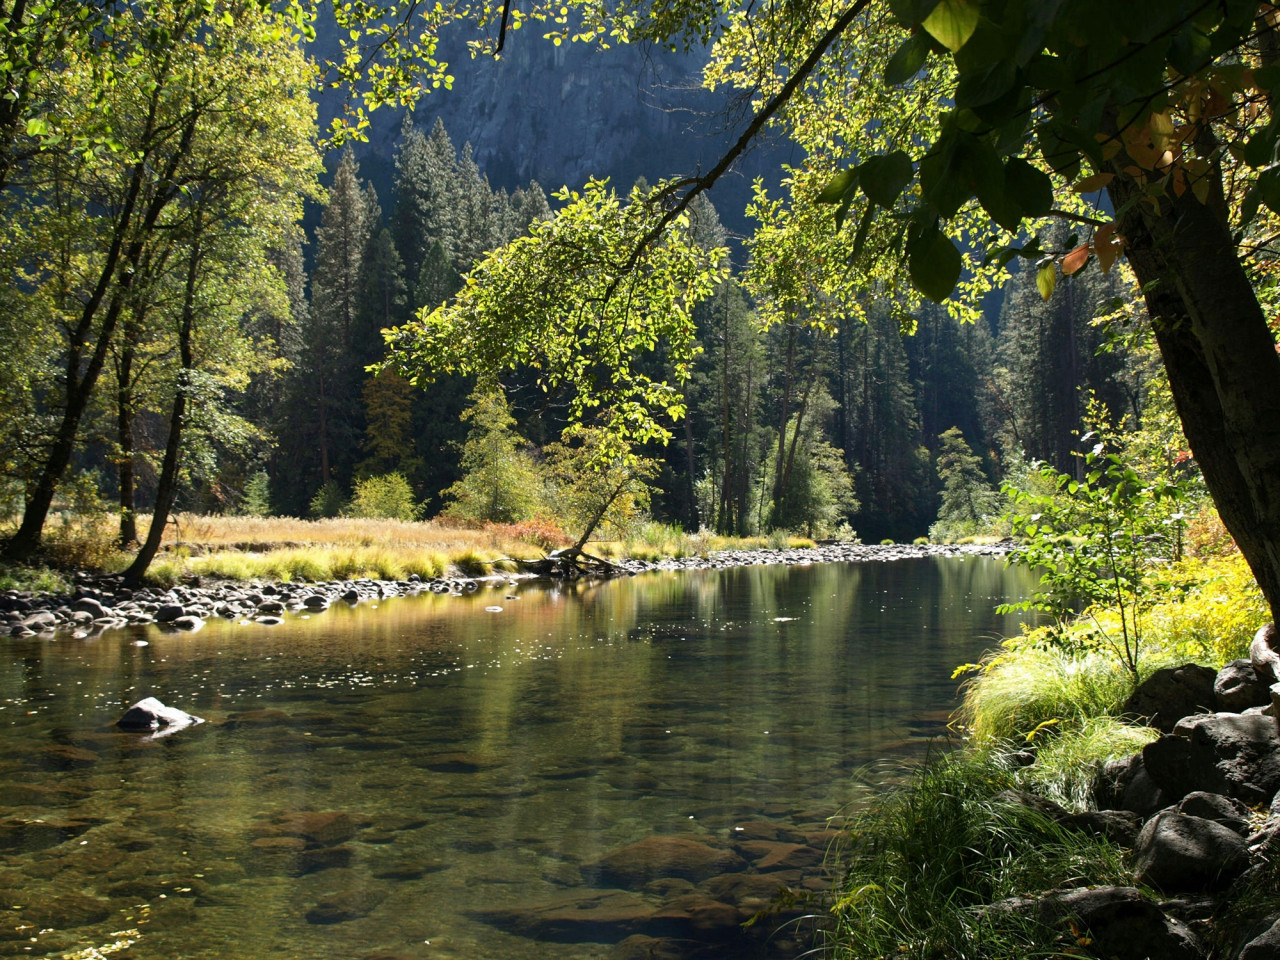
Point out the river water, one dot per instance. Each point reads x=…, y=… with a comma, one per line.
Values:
x=447, y=777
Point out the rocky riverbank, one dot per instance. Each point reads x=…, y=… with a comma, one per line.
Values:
x=104, y=603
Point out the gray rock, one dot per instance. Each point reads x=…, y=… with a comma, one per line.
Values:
x=1228, y=753
x=1122, y=923
x=168, y=612
x=1170, y=694
x=187, y=622
x=1238, y=687
x=40, y=620
x=149, y=714
x=271, y=607
x=1232, y=814
x=1177, y=853
x=316, y=601
x=1120, y=827
x=90, y=606
x=1266, y=946
x=1127, y=785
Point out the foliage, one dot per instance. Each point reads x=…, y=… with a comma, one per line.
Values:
x=555, y=302
x=1094, y=541
x=588, y=492
x=328, y=501
x=967, y=498
x=388, y=496
x=501, y=482
x=922, y=859
x=256, y=501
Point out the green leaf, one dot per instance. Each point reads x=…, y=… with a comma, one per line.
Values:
x=37, y=127
x=907, y=60
x=952, y=23
x=1028, y=187
x=863, y=226
x=1046, y=280
x=934, y=264
x=883, y=178
x=838, y=186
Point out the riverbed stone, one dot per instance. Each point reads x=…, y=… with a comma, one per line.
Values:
x=1179, y=853
x=321, y=828
x=65, y=910
x=635, y=865
x=639, y=947
x=605, y=917
x=344, y=907
x=168, y=612
x=769, y=855
x=61, y=757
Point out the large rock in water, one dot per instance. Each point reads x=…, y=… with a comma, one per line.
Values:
x=150, y=715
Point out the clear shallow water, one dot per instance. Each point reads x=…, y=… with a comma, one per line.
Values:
x=411, y=781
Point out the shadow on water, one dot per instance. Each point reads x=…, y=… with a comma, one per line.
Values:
x=622, y=769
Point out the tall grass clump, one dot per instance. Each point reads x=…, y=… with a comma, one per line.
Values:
x=924, y=861
x=1027, y=685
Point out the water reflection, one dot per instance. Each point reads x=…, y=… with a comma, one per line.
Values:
x=387, y=783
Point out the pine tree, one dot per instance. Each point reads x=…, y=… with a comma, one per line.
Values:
x=426, y=200
x=337, y=291
x=967, y=497
x=500, y=481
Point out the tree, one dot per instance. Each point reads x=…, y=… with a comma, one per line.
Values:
x=500, y=480
x=967, y=498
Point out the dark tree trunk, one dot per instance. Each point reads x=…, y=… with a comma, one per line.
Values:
x=167, y=485
x=1221, y=360
x=124, y=435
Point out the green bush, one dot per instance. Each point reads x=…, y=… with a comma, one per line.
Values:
x=328, y=501
x=388, y=496
x=256, y=501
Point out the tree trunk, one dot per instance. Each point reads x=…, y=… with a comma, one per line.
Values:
x=167, y=485
x=1222, y=363
x=124, y=435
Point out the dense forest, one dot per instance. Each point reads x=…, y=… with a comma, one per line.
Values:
x=787, y=427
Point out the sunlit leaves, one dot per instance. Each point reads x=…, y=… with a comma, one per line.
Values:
x=569, y=303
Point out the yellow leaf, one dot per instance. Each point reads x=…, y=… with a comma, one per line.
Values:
x=1046, y=280
x=1106, y=246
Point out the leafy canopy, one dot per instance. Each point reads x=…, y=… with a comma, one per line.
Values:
x=580, y=301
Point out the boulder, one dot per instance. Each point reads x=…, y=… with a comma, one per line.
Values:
x=1120, y=827
x=1127, y=785
x=90, y=606
x=319, y=828
x=633, y=866
x=168, y=612
x=1178, y=853
x=605, y=917
x=339, y=909
x=770, y=855
x=1238, y=687
x=1232, y=814
x=149, y=715
x=40, y=620
x=187, y=622
x=1228, y=753
x=1265, y=946
x=1121, y=923
x=1264, y=653
x=1170, y=694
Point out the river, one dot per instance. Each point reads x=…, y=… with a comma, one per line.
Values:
x=526, y=772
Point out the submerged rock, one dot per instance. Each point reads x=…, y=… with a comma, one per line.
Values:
x=635, y=865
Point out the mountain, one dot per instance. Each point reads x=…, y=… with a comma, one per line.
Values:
x=559, y=115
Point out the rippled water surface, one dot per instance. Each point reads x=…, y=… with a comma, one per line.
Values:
x=439, y=778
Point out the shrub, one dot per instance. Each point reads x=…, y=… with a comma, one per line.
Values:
x=256, y=501
x=388, y=496
x=328, y=501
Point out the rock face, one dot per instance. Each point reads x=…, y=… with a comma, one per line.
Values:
x=1238, y=687
x=149, y=715
x=1264, y=653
